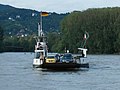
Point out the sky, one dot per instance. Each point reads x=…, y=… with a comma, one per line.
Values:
x=61, y=6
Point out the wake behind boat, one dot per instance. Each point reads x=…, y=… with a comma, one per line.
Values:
x=45, y=60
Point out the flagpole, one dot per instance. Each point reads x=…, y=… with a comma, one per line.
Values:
x=41, y=21
x=41, y=15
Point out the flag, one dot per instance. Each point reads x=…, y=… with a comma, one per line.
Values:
x=44, y=13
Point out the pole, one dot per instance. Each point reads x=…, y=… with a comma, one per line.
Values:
x=41, y=21
x=86, y=36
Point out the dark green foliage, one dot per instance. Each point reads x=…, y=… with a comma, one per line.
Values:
x=15, y=44
x=103, y=26
x=53, y=40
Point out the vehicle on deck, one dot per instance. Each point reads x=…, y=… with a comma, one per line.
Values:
x=67, y=58
x=50, y=59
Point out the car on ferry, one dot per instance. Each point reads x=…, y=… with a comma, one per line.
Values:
x=50, y=59
x=67, y=58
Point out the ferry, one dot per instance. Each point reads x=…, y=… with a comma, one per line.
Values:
x=43, y=59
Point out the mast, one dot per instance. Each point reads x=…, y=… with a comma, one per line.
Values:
x=40, y=32
x=41, y=38
x=38, y=29
x=41, y=20
x=86, y=36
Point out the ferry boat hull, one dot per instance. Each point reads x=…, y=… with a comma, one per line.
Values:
x=62, y=65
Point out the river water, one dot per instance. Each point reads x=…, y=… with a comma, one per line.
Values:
x=17, y=73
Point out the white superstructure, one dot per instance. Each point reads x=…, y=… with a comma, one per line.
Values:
x=40, y=48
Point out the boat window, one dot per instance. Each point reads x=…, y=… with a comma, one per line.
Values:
x=37, y=55
x=41, y=40
x=45, y=53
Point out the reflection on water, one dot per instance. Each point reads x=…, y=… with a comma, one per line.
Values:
x=17, y=73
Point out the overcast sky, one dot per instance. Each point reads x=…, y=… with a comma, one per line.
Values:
x=61, y=6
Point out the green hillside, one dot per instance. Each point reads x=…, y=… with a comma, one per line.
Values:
x=102, y=24
x=17, y=21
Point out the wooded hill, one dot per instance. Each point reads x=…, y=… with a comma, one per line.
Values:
x=17, y=21
x=103, y=26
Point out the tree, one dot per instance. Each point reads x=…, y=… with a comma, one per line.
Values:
x=103, y=26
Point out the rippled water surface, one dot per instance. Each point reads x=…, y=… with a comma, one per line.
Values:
x=17, y=73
